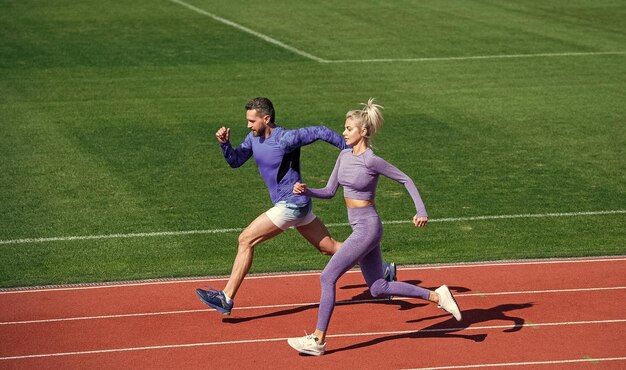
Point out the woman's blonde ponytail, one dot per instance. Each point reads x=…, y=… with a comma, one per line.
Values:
x=369, y=118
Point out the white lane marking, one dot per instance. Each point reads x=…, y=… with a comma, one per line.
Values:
x=527, y=363
x=55, y=288
x=261, y=340
x=313, y=304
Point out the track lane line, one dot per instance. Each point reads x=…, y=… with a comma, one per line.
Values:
x=262, y=340
x=292, y=305
x=199, y=280
x=527, y=363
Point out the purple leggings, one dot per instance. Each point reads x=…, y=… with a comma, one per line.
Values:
x=362, y=247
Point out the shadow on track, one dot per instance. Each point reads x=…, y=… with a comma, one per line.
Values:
x=361, y=298
x=450, y=327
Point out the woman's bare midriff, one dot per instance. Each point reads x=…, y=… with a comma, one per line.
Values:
x=358, y=203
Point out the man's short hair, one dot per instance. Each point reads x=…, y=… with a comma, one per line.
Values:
x=263, y=106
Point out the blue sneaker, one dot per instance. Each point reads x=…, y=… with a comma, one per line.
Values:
x=215, y=299
x=389, y=269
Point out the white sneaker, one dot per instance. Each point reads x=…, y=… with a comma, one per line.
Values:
x=447, y=302
x=308, y=345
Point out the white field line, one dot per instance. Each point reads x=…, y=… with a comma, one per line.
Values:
x=54, y=288
x=250, y=31
x=589, y=360
x=478, y=57
x=383, y=60
x=313, y=304
x=231, y=230
x=264, y=340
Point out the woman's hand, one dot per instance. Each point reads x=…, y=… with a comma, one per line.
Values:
x=420, y=221
x=299, y=188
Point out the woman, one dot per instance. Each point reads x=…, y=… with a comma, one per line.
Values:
x=357, y=170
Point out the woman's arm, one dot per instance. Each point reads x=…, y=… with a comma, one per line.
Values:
x=384, y=168
x=325, y=193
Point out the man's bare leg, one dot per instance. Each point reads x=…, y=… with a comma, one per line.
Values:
x=259, y=230
x=317, y=234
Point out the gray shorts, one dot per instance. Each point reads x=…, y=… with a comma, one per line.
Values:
x=286, y=215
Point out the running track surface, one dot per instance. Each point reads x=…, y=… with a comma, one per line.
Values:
x=550, y=314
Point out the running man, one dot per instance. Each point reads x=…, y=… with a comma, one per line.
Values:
x=277, y=154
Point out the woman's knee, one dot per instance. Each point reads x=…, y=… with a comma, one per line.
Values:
x=327, y=278
x=379, y=288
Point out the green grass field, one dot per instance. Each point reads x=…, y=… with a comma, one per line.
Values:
x=493, y=107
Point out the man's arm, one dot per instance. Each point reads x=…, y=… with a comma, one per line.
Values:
x=235, y=157
x=293, y=139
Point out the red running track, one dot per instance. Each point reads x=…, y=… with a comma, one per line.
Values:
x=549, y=314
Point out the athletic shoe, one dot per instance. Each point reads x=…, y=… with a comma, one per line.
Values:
x=307, y=345
x=389, y=269
x=447, y=302
x=215, y=299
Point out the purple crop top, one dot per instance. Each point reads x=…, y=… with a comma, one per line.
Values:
x=358, y=175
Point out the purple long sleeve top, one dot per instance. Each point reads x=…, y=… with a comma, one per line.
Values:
x=358, y=175
x=278, y=157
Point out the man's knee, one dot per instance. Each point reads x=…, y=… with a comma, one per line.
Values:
x=246, y=243
x=329, y=246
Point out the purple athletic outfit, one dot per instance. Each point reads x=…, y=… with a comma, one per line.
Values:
x=358, y=175
x=278, y=158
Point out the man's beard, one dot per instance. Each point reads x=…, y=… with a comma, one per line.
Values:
x=259, y=132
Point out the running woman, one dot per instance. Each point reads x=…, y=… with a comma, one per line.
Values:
x=357, y=170
x=277, y=154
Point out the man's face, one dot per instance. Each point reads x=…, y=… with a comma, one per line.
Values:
x=257, y=122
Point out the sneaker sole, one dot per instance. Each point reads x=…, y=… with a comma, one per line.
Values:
x=305, y=351
x=213, y=306
x=456, y=304
x=392, y=275
x=457, y=308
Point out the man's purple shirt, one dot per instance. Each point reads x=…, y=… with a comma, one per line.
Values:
x=278, y=157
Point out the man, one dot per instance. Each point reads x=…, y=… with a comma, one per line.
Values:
x=277, y=154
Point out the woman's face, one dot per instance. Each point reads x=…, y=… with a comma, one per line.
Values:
x=352, y=134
